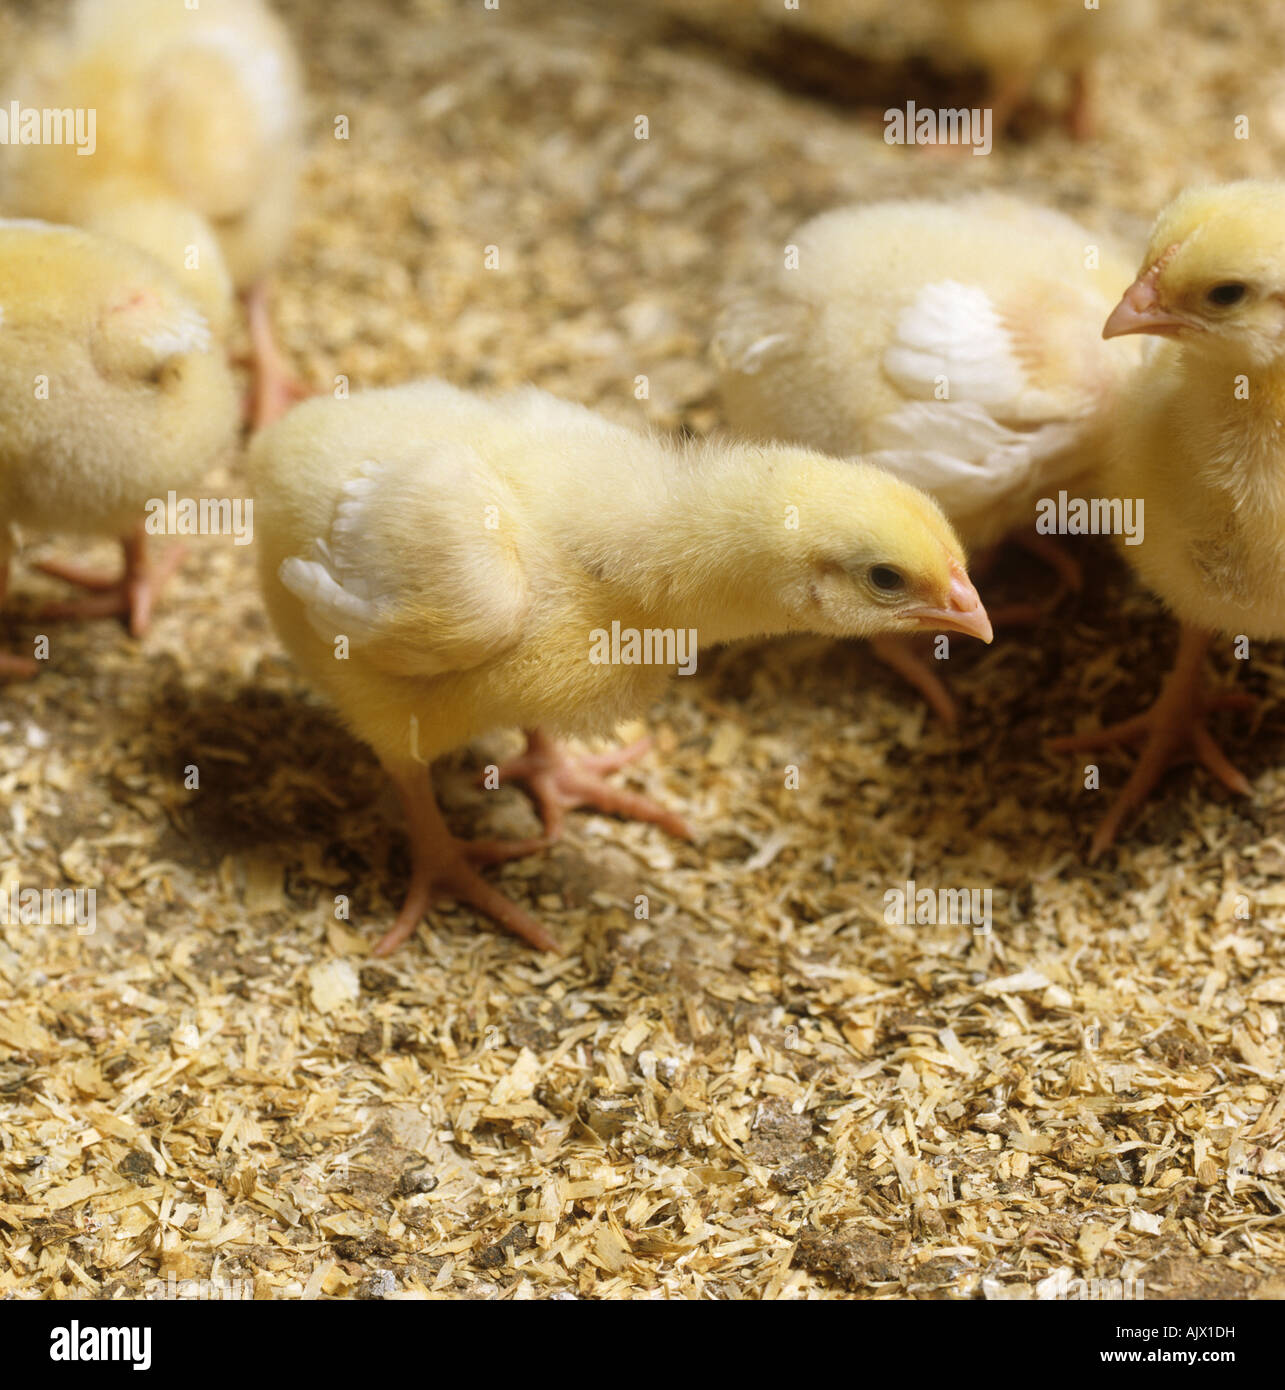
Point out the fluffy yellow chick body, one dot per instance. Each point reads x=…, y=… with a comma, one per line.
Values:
x=468, y=553
x=111, y=391
x=198, y=143
x=1214, y=548
x=956, y=344
x=1200, y=441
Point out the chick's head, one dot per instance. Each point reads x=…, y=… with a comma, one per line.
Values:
x=1214, y=274
x=876, y=555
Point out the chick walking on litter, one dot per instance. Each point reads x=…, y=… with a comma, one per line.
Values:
x=111, y=394
x=197, y=143
x=442, y=565
x=1017, y=41
x=956, y=344
x=1198, y=440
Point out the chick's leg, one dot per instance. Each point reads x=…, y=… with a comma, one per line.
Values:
x=899, y=654
x=559, y=781
x=1081, y=114
x=131, y=595
x=1067, y=568
x=442, y=866
x=1009, y=93
x=275, y=387
x=1057, y=557
x=1171, y=730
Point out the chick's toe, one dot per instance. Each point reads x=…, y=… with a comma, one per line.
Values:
x=1172, y=730
x=443, y=866
x=559, y=781
x=132, y=595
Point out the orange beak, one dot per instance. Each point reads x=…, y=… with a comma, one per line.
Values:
x=963, y=611
x=1139, y=311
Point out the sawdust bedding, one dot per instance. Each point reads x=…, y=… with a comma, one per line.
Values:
x=761, y=1088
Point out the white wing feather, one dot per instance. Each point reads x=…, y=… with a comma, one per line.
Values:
x=960, y=449
x=456, y=596
x=339, y=592
x=951, y=333
x=963, y=456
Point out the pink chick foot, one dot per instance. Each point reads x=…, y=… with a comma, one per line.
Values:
x=443, y=867
x=559, y=781
x=131, y=595
x=1172, y=730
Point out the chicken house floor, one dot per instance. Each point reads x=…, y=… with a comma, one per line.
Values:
x=761, y=1088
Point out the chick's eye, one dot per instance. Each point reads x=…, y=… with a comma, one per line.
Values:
x=886, y=579
x=1223, y=295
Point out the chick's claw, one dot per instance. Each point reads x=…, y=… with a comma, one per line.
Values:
x=559, y=782
x=451, y=874
x=442, y=866
x=1171, y=731
x=132, y=595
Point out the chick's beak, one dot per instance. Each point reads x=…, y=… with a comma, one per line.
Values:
x=963, y=611
x=1139, y=311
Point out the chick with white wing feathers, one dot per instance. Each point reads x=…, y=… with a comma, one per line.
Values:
x=112, y=392
x=441, y=565
x=198, y=145
x=956, y=344
x=1199, y=438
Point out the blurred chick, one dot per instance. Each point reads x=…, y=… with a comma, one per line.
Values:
x=469, y=550
x=198, y=147
x=957, y=344
x=1016, y=41
x=111, y=394
x=1200, y=439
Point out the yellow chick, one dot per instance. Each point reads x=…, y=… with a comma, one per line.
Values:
x=956, y=344
x=194, y=152
x=182, y=240
x=1200, y=442
x=111, y=394
x=1016, y=41
x=441, y=565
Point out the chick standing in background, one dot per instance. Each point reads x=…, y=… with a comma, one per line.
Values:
x=442, y=565
x=198, y=131
x=1018, y=40
x=111, y=393
x=957, y=345
x=1199, y=439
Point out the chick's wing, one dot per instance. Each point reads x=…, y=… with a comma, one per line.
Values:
x=421, y=570
x=975, y=424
